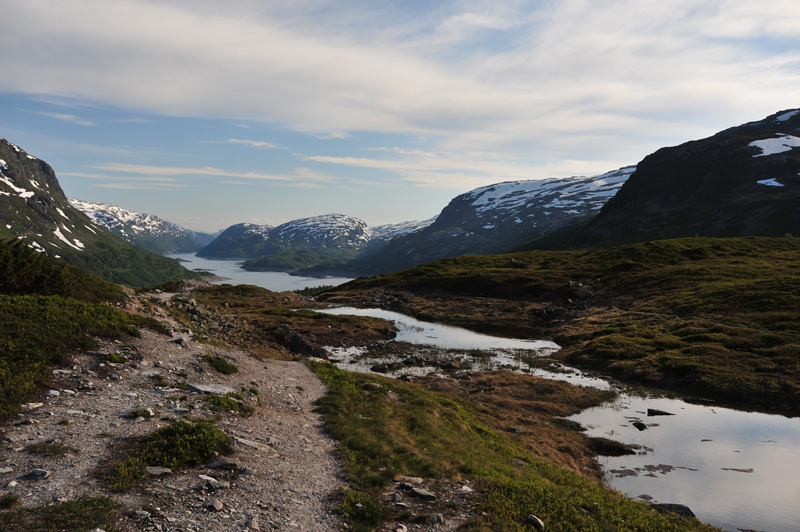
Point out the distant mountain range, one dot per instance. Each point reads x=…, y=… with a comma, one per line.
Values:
x=145, y=230
x=743, y=181
x=34, y=209
x=498, y=218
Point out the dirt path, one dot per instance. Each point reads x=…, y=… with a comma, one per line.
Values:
x=287, y=479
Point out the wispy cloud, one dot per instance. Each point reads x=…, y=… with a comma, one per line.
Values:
x=335, y=135
x=254, y=143
x=65, y=117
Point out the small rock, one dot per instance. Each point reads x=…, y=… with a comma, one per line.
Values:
x=246, y=471
x=12, y=484
x=141, y=514
x=214, y=505
x=31, y=406
x=75, y=412
x=231, y=464
x=36, y=474
x=656, y=412
x=400, y=528
x=213, y=483
x=534, y=521
x=5, y=470
x=154, y=471
x=639, y=425
x=180, y=341
x=218, y=389
x=252, y=522
x=424, y=494
x=437, y=518
x=52, y=393
x=465, y=489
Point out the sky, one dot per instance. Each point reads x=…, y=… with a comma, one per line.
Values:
x=209, y=113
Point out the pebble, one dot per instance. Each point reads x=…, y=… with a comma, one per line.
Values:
x=214, y=505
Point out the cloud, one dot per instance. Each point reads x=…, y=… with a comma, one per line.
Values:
x=555, y=81
x=253, y=143
x=300, y=177
x=67, y=118
x=335, y=135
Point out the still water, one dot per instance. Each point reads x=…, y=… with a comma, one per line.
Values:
x=231, y=269
x=735, y=470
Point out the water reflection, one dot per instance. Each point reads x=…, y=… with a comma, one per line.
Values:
x=735, y=470
x=234, y=274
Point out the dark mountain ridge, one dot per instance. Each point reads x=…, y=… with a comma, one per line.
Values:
x=743, y=181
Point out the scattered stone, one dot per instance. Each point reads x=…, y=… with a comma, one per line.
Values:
x=214, y=484
x=400, y=528
x=246, y=471
x=141, y=514
x=219, y=389
x=437, y=518
x=465, y=489
x=214, y=505
x=180, y=341
x=155, y=471
x=254, y=445
x=252, y=522
x=412, y=480
x=514, y=430
x=12, y=484
x=535, y=522
x=5, y=470
x=31, y=406
x=424, y=494
x=75, y=412
x=639, y=425
x=230, y=464
x=52, y=393
x=36, y=474
x=656, y=412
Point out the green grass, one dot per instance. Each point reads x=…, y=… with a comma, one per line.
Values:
x=431, y=435
x=717, y=317
x=220, y=364
x=230, y=402
x=50, y=449
x=73, y=516
x=182, y=444
x=36, y=333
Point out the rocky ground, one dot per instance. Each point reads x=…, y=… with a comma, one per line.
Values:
x=284, y=473
x=287, y=476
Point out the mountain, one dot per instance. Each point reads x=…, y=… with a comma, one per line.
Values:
x=34, y=209
x=498, y=218
x=382, y=234
x=743, y=181
x=298, y=243
x=144, y=230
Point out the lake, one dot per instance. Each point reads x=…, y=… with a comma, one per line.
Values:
x=275, y=281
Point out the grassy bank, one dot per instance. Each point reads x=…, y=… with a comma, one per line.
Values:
x=711, y=317
x=388, y=428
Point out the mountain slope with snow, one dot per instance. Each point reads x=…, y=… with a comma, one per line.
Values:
x=499, y=218
x=144, y=230
x=743, y=181
x=34, y=209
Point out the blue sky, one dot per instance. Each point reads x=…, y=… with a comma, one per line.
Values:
x=209, y=113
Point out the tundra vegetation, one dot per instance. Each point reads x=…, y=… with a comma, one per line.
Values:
x=709, y=316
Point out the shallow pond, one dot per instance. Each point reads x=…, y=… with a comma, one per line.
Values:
x=735, y=470
x=234, y=274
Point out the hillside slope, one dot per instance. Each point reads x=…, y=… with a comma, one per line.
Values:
x=144, y=230
x=497, y=219
x=33, y=208
x=740, y=182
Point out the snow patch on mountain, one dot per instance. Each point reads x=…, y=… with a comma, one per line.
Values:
x=335, y=229
x=571, y=192
x=389, y=231
x=775, y=145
